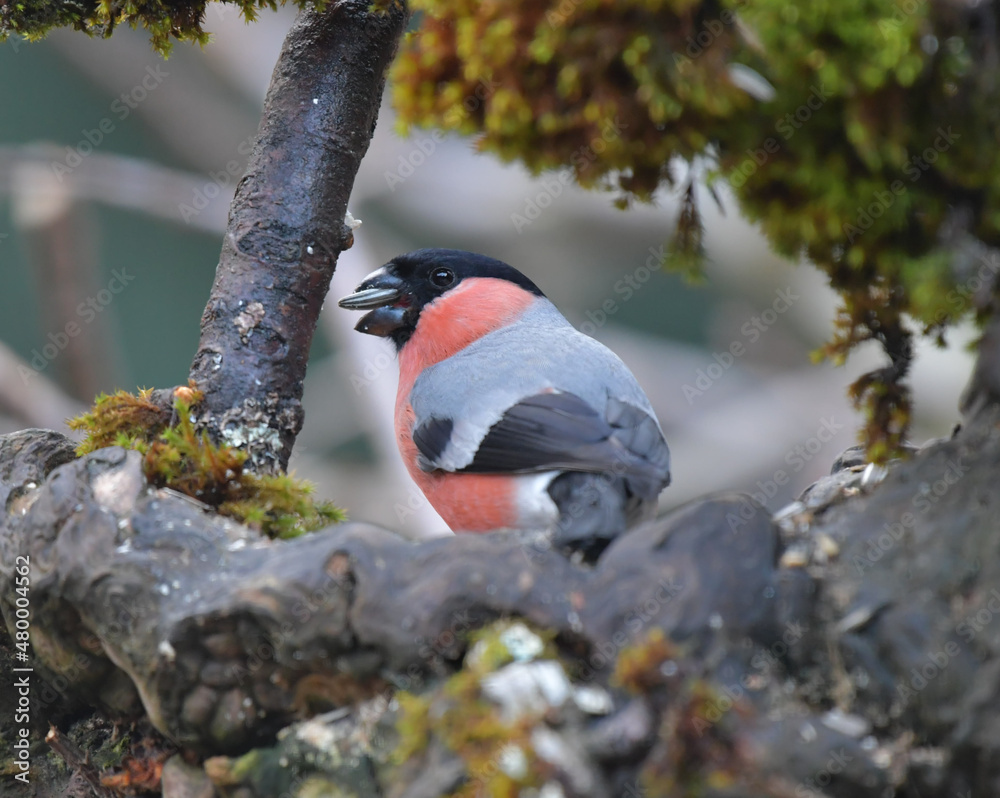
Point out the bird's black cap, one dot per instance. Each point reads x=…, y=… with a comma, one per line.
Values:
x=398, y=292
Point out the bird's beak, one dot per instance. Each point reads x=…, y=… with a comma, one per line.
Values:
x=365, y=298
x=380, y=292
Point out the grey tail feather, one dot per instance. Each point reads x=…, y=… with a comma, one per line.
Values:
x=592, y=512
x=639, y=434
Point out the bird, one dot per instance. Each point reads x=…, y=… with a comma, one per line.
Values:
x=507, y=416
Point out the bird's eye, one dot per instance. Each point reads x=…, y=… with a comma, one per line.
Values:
x=442, y=277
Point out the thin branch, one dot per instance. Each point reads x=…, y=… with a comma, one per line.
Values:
x=76, y=760
x=121, y=181
x=60, y=244
x=30, y=396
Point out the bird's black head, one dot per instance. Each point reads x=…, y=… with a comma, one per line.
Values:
x=398, y=292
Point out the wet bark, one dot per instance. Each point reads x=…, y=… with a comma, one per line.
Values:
x=286, y=226
x=850, y=649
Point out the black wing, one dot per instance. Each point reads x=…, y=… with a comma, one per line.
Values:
x=560, y=430
x=431, y=439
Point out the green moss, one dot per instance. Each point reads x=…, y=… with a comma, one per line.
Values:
x=458, y=714
x=696, y=753
x=122, y=419
x=121, y=747
x=112, y=754
x=413, y=727
x=319, y=787
x=639, y=666
x=179, y=457
x=166, y=20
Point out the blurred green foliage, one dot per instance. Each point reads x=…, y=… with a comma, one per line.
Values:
x=165, y=20
x=862, y=133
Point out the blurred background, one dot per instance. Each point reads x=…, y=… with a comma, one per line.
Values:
x=116, y=171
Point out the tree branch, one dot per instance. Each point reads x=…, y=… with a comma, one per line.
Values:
x=286, y=227
x=873, y=644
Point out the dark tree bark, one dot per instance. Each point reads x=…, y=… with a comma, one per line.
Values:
x=286, y=227
x=851, y=649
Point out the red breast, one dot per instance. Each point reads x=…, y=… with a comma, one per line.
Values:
x=477, y=306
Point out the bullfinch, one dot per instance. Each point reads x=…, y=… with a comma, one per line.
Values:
x=507, y=417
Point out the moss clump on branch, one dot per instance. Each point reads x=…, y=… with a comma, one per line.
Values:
x=498, y=751
x=179, y=20
x=121, y=419
x=694, y=752
x=861, y=133
x=178, y=457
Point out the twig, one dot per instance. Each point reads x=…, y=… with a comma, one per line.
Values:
x=77, y=761
x=123, y=182
x=60, y=247
x=31, y=396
